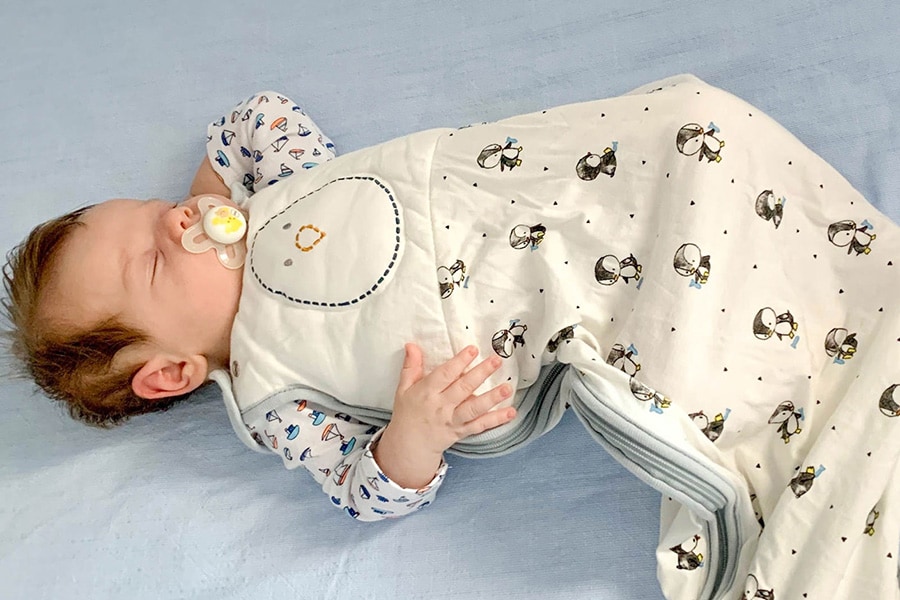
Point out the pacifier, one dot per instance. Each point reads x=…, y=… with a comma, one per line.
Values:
x=220, y=227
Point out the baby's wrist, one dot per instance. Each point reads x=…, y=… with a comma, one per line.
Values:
x=405, y=460
x=409, y=440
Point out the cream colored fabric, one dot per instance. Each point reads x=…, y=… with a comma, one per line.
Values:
x=676, y=234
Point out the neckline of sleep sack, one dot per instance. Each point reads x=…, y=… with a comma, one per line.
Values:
x=223, y=380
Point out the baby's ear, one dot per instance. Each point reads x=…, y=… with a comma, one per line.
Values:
x=164, y=376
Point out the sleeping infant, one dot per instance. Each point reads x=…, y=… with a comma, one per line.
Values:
x=127, y=306
x=697, y=285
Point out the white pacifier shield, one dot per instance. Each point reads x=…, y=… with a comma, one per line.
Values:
x=333, y=247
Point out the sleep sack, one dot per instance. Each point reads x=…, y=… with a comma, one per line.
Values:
x=714, y=301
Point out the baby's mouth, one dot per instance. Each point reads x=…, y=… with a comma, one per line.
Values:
x=221, y=228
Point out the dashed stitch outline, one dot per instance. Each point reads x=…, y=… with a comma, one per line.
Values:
x=367, y=293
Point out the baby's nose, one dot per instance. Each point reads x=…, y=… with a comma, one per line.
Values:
x=180, y=218
x=186, y=216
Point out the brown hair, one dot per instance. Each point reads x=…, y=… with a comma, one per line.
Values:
x=70, y=364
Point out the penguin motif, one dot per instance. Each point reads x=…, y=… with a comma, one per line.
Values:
x=712, y=429
x=752, y=590
x=689, y=261
x=757, y=511
x=591, y=165
x=870, y=521
x=645, y=393
x=621, y=359
x=507, y=156
x=693, y=139
x=803, y=482
x=687, y=559
x=767, y=323
x=449, y=278
x=609, y=269
x=847, y=234
x=566, y=333
x=788, y=420
x=504, y=342
x=887, y=404
x=840, y=343
x=770, y=208
x=522, y=236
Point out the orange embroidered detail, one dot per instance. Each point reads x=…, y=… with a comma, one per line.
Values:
x=315, y=242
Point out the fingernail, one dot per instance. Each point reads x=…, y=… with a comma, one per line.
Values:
x=505, y=391
x=472, y=350
x=495, y=362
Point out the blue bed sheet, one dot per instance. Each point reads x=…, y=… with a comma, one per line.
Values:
x=110, y=98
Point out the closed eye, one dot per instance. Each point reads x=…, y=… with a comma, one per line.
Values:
x=155, y=264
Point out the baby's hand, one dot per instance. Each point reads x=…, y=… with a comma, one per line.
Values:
x=432, y=412
x=440, y=408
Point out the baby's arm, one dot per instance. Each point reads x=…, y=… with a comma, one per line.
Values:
x=207, y=181
x=337, y=450
x=374, y=473
x=261, y=141
x=432, y=412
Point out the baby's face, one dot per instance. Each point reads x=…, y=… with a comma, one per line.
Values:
x=128, y=261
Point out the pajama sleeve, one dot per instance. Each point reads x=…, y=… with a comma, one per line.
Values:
x=337, y=450
x=263, y=140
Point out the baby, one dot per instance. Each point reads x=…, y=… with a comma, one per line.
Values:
x=116, y=313
x=713, y=300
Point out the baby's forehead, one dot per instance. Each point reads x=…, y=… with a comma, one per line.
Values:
x=86, y=273
x=114, y=206
x=107, y=229
x=116, y=218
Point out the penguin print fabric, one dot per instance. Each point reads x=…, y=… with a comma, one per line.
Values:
x=687, y=257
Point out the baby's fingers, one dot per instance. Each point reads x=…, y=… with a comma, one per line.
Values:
x=477, y=409
x=466, y=385
x=488, y=420
x=412, y=368
x=447, y=374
